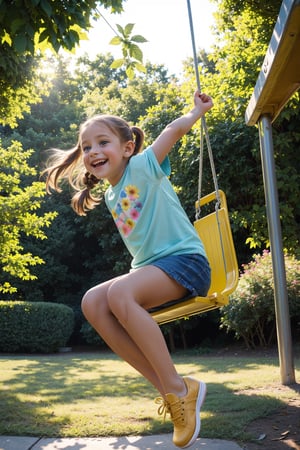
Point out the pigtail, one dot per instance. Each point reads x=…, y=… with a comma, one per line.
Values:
x=68, y=165
x=89, y=180
x=83, y=200
x=138, y=135
x=62, y=165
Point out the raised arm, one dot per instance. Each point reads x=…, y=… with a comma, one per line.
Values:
x=179, y=127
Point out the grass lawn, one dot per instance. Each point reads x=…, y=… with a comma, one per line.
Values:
x=97, y=394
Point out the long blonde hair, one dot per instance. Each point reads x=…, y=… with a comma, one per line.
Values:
x=68, y=164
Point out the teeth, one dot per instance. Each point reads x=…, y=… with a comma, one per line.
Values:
x=99, y=163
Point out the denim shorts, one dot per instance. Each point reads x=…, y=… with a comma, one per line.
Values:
x=191, y=271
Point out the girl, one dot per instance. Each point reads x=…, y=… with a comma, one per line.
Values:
x=169, y=260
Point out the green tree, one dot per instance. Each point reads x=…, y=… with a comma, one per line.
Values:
x=25, y=25
x=91, y=74
x=28, y=28
x=55, y=115
x=18, y=215
x=129, y=99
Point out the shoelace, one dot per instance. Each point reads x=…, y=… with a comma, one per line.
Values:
x=177, y=412
x=163, y=408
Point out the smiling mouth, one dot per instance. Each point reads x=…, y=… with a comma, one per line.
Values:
x=100, y=163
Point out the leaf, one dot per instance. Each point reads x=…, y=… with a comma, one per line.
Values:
x=115, y=40
x=16, y=25
x=130, y=72
x=128, y=29
x=6, y=38
x=140, y=67
x=120, y=29
x=136, y=52
x=81, y=33
x=117, y=63
x=46, y=7
x=285, y=433
x=138, y=38
x=43, y=44
x=20, y=44
x=125, y=51
x=74, y=37
x=261, y=437
x=43, y=36
x=30, y=46
x=55, y=44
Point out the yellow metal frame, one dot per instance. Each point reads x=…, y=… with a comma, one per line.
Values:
x=215, y=232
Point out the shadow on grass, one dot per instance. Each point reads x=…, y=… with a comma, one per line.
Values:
x=39, y=384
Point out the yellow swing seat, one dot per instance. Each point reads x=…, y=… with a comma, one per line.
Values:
x=215, y=232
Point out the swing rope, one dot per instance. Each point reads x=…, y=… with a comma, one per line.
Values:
x=204, y=130
x=215, y=232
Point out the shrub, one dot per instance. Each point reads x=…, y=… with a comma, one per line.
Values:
x=34, y=326
x=250, y=313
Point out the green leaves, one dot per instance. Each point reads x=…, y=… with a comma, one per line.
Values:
x=26, y=23
x=17, y=214
x=132, y=54
x=29, y=27
x=34, y=326
x=250, y=313
x=46, y=7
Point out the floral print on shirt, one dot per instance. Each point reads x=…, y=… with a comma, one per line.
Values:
x=127, y=210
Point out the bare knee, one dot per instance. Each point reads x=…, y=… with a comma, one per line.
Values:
x=88, y=303
x=94, y=304
x=118, y=301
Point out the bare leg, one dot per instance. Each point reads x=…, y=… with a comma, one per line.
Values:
x=97, y=312
x=117, y=310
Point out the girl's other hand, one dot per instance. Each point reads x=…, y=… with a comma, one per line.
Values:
x=203, y=101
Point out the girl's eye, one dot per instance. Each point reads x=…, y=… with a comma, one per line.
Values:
x=86, y=148
x=102, y=143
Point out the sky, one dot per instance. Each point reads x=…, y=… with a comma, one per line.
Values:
x=164, y=23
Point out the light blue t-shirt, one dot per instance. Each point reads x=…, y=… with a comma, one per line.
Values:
x=148, y=213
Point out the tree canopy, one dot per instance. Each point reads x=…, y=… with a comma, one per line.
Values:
x=27, y=29
x=28, y=26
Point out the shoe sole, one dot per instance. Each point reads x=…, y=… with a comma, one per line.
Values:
x=200, y=400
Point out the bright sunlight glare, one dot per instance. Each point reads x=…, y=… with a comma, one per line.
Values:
x=164, y=23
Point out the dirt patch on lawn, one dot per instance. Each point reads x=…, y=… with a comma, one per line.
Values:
x=278, y=431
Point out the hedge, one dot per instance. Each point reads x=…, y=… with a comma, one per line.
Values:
x=34, y=326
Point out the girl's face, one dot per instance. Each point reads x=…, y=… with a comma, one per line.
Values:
x=104, y=155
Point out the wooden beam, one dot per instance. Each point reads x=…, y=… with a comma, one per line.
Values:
x=279, y=77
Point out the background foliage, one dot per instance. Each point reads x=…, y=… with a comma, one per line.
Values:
x=34, y=327
x=250, y=313
x=19, y=220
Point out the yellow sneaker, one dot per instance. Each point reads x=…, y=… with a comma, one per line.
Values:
x=185, y=412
